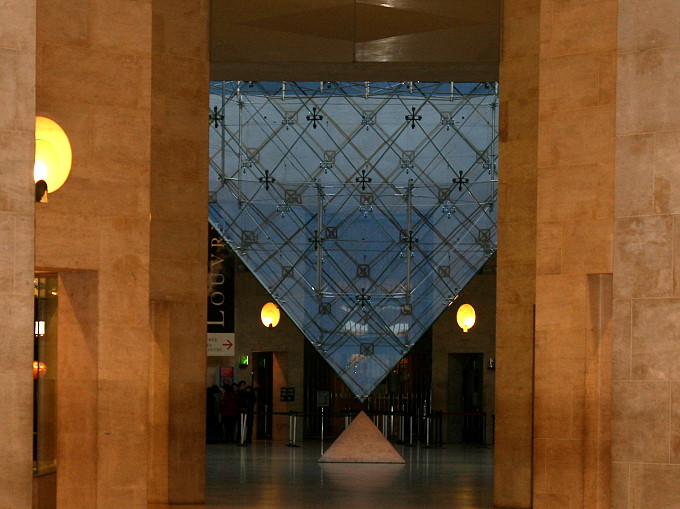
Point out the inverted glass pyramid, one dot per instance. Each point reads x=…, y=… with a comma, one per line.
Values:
x=363, y=208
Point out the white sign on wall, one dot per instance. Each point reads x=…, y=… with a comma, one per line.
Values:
x=221, y=344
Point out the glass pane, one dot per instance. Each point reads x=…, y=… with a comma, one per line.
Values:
x=363, y=208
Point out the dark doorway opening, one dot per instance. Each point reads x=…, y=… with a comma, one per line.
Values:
x=465, y=417
x=263, y=381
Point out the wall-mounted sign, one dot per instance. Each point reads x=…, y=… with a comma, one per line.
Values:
x=226, y=375
x=221, y=344
x=220, y=285
x=287, y=393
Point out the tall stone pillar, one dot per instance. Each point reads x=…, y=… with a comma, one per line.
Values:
x=574, y=240
x=558, y=73
x=516, y=262
x=17, y=128
x=646, y=378
x=179, y=249
x=93, y=78
x=127, y=234
x=575, y=208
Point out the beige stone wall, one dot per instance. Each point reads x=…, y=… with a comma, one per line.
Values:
x=17, y=127
x=448, y=338
x=645, y=445
x=285, y=340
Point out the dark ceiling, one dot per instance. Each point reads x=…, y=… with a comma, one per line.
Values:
x=355, y=40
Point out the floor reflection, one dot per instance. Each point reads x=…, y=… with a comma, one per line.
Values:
x=271, y=475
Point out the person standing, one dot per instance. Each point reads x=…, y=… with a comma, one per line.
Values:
x=242, y=407
x=250, y=400
x=212, y=415
x=229, y=414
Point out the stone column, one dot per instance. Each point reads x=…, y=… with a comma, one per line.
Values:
x=94, y=79
x=17, y=135
x=179, y=249
x=574, y=240
x=77, y=367
x=556, y=172
x=646, y=378
x=516, y=263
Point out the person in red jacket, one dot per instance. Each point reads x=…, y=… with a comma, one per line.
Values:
x=229, y=413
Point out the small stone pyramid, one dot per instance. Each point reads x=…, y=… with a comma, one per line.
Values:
x=361, y=442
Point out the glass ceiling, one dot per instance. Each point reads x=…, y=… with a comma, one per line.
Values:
x=363, y=208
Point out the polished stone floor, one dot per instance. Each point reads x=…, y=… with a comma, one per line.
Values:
x=272, y=475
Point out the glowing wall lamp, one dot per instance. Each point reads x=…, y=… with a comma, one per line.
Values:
x=52, y=157
x=270, y=315
x=39, y=370
x=465, y=317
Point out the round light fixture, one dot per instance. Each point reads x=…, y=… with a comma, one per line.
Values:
x=465, y=317
x=52, y=154
x=270, y=315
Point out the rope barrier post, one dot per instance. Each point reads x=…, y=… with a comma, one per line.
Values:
x=427, y=430
x=292, y=425
x=401, y=428
x=322, y=424
x=410, y=430
x=392, y=420
x=242, y=441
x=265, y=422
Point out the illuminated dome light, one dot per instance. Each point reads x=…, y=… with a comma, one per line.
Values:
x=465, y=317
x=52, y=154
x=270, y=315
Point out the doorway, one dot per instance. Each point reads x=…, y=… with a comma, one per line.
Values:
x=465, y=419
x=263, y=383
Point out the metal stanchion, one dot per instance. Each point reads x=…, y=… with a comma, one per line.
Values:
x=392, y=421
x=242, y=442
x=265, y=422
x=322, y=424
x=292, y=425
x=347, y=417
x=410, y=430
x=384, y=424
x=401, y=428
x=427, y=431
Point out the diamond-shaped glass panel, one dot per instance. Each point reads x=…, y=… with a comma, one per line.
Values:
x=363, y=208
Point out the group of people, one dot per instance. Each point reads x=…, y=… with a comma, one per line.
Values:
x=224, y=407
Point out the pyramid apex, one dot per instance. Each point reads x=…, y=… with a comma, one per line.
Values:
x=361, y=442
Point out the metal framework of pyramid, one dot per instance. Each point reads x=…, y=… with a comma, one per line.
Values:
x=363, y=208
